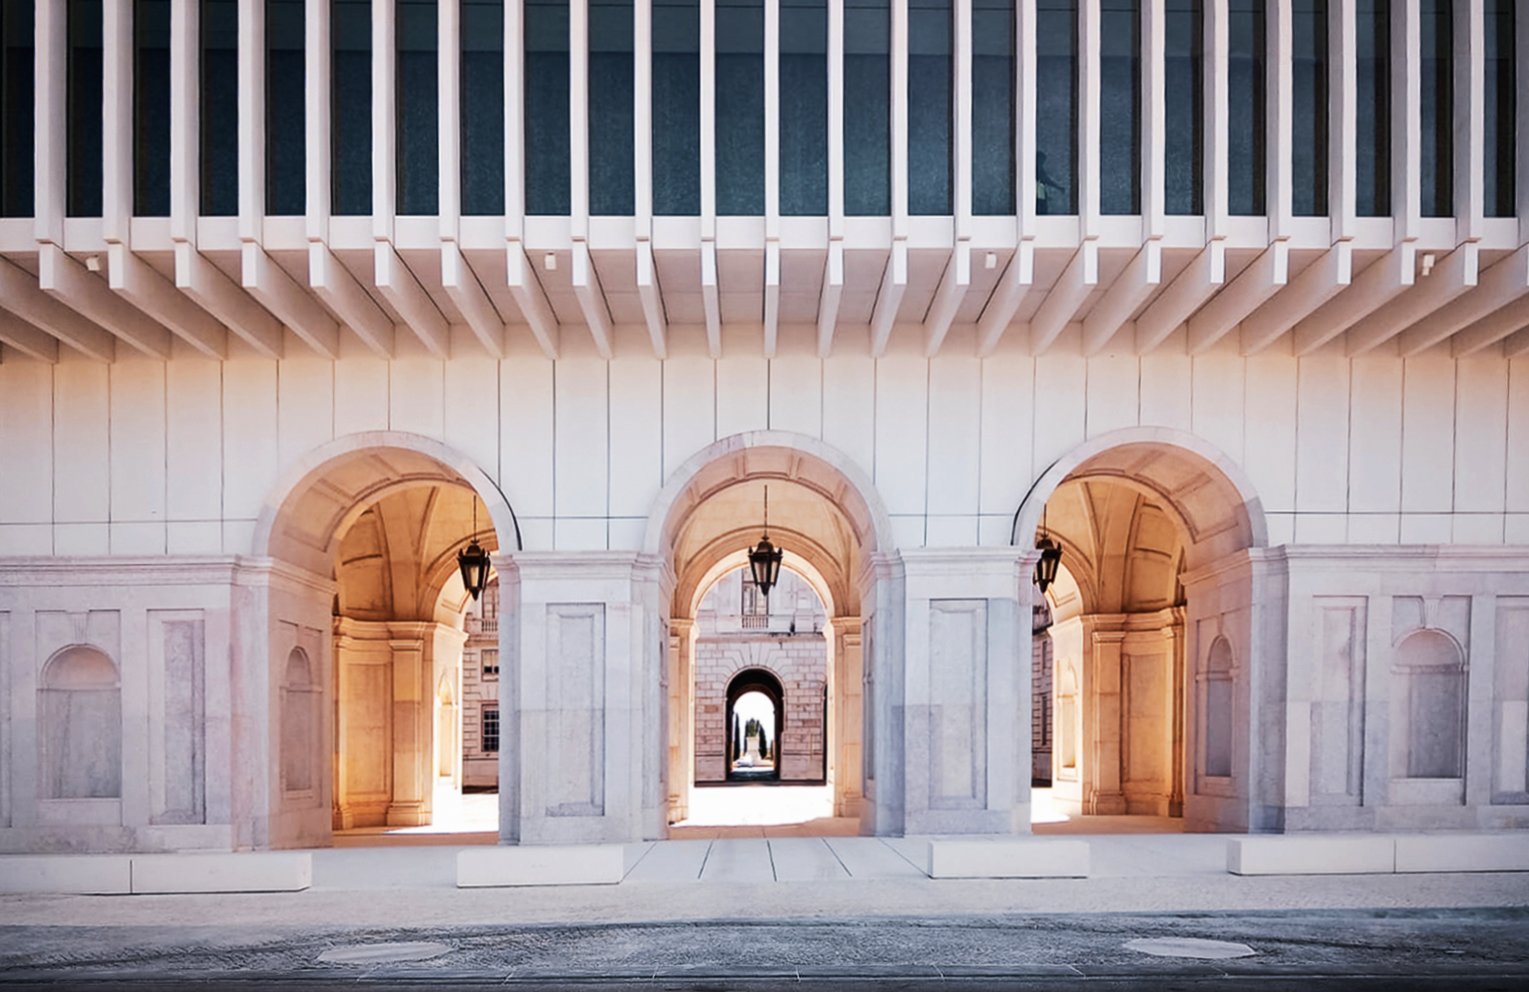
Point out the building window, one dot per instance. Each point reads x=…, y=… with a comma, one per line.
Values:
x=804, y=108
x=1056, y=101
x=993, y=107
x=930, y=26
x=482, y=107
x=676, y=108
x=285, y=109
x=1437, y=111
x=350, y=104
x=1501, y=110
x=84, y=138
x=612, y=158
x=490, y=663
x=1373, y=94
x=1309, y=99
x=1119, y=107
x=867, y=108
x=1184, y=107
x=546, y=108
x=416, y=107
x=1245, y=99
x=219, y=123
x=151, y=108
x=490, y=739
x=16, y=109
x=739, y=107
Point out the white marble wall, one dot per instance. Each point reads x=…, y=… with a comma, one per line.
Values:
x=144, y=457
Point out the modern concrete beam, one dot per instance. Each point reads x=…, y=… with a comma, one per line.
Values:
x=152, y=293
x=651, y=294
x=419, y=312
x=1001, y=307
x=1125, y=295
x=1500, y=286
x=1517, y=345
x=1071, y=289
x=948, y=298
x=527, y=290
x=894, y=283
x=1183, y=297
x=1489, y=330
x=711, y=299
x=1456, y=274
x=771, y=297
x=288, y=300
x=207, y=286
x=30, y=341
x=1386, y=277
x=70, y=283
x=1244, y=294
x=20, y=295
x=1318, y=282
x=828, y=302
x=469, y=296
x=586, y=289
x=343, y=294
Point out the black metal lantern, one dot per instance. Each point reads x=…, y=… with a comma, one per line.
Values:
x=1051, y=558
x=764, y=558
x=473, y=561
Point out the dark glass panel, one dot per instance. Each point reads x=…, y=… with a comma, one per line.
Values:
x=1309, y=98
x=285, y=109
x=740, y=107
x=16, y=108
x=151, y=108
x=482, y=84
x=867, y=108
x=1246, y=137
x=84, y=137
x=416, y=107
x=612, y=181
x=1056, y=99
x=992, y=107
x=677, y=108
x=1184, y=107
x=1373, y=95
x=1501, y=108
x=219, y=125
x=930, y=124
x=1438, y=106
x=350, y=37
x=804, y=108
x=1119, y=107
x=546, y=111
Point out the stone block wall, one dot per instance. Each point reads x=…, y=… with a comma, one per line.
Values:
x=800, y=662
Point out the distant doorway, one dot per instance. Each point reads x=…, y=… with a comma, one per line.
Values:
x=755, y=703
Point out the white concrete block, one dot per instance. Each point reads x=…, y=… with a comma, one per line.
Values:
x=581, y=455
x=1462, y=852
x=194, y=442
x=586, y=864
x=1481, y=434
x=304, y=405
x=1025, y=857
x=525, y=452
x=1113, y=388
x=82, y=874
x=1316, y=854
x=637, y=430
x=265, y=871
x=743, y=391
x=1428, y=436
x=902, y=429
x=417, y=396
x=1269, y=430
x=1165, y=389
x=1322, y=425
x=1375, y=444
x=360, y=394
x=1218, y=391
x=955, y=436
x=1008, y=384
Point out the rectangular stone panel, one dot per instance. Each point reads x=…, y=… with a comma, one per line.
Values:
x=1148, y=719
x=1510, y=751
x=576, y=709
x=1337, y=702
x=5, y=719
x=957, y=703
x=177, y=648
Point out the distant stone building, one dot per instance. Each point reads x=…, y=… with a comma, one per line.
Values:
x=480, y=693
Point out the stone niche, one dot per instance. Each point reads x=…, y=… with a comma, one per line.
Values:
x=79, y=713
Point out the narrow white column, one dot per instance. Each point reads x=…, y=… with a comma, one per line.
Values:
x=1024, y=132
x=50, y=174
x=251, y=119
x=1470, y=119
x=772, y=120
x=317, y=59
x=1343, y=117
x=899, y=120
x=1279, y=101
x=185, y=119
x=835, y=119
x=1154, y=116
x=449, y=117
x=1217, y=121
x=642, y=116
x=116, y=121
x=1406, y=119
x=1521, y=187
x=384, y=120
x=578, y=117
x=514, y=131
x=961, y=165
x=708, y=121
x=1088, y=116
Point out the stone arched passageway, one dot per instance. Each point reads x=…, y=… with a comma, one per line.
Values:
x=1152, y=636
x=363, y=535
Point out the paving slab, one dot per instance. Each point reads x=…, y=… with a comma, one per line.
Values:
x=671, y=861
x=738, y=861
x=802, y=859
x=870, y=858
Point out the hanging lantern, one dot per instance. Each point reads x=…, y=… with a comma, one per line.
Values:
x=764, y=558
x=1051, y=557
x=473, y=561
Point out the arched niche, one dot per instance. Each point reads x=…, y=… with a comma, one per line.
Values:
x=79, y=726
x=1218, y=708
x=1429, y=707
x=300, y=695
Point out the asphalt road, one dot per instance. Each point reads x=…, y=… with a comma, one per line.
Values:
x=1456, y=949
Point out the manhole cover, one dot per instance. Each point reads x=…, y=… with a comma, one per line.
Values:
x=1189, y=947
x=383, y=953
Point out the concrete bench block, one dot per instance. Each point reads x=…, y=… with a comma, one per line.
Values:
x=1018, y=857
x=265, y=871
x=1323, y=854
x=588, y=864
x=1462, y=852
x=77, y=874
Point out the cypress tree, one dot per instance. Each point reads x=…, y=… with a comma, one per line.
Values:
x=737, y=739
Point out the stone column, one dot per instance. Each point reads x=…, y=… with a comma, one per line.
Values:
x=965, y=692
x=586, y=685
x=846, y=683
x=681, y=696
x=1103, y=790
x=882, y=604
